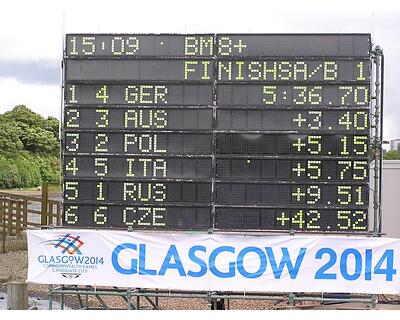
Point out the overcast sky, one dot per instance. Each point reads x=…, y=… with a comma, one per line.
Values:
x=31, y=35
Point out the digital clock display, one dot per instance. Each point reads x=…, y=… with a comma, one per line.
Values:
x=223, y=131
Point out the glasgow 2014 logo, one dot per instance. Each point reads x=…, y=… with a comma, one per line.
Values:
x=68, y=259
x=68, y=243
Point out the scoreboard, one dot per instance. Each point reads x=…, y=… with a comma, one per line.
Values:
x=230, y=132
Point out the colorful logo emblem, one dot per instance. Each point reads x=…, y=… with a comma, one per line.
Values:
x=68, y=243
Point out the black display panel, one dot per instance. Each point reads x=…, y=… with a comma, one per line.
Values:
x=227, y=45
x=137, y=143
x=302, y=145
x=137, y=192
x=293, y=70
x=144, y=167
x=301, y=219
x=288, y=45
x=138, y=217
x=128, y=119
x=131, y=45
x=293, y=95
x=140, y=70
x=203, y=70
x=255, y=169
x=229, y=132
x=139, y=94
x=340, y=120
x=285, y=194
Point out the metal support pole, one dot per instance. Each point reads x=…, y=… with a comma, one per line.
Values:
x=138, y=300
x=210, y=297
x=128, y=298
x=377, y=142
x=62, y=299
x=87, y=301
x=381, y=132
x=291, y=300
x=80, y=301
x=50, y=294
x=138, y=303
x=156, y=301
x=209, y=300
x=374, y=301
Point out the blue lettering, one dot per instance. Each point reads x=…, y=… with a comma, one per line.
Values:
x=197, y=260
x=79, y=259
x=321, y=273
x=167, y=264
x=142, y=262
x=114, y=259
x=358, y=264
x=213, y=268
x=263, y=262
x=389, y=271
x=293, y=270
x=368, y=264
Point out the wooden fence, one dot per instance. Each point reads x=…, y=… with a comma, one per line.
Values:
x=20, y=212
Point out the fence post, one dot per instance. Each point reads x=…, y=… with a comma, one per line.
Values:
x=1, y=206
x=10, y=216
x=58, y=208
x=17, y=296
x=45, y=199
x=25, y=214
x=50, y=220
x=18, y=205
x=3, y=215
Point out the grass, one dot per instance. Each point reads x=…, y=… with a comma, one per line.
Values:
x=53, y=188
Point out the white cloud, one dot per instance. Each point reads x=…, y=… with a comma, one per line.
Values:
x=42, y=99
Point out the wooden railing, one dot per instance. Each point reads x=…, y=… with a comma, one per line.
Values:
x=20, y=212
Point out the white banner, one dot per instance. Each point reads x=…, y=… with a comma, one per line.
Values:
x=215, y=262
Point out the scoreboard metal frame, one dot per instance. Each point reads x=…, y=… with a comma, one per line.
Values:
x=229, y=149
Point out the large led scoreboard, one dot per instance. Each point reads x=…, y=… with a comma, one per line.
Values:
x=227, y=132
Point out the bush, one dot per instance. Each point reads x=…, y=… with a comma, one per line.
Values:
x=391, y=155
x=24, y=170
x=28, y=171
x=9, y=137
x=9, y=175
x=29, y=149
x=49, y=167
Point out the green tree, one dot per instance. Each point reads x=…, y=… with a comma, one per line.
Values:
x=49, y=167
x=9, y=137
x=29, y=149
x=391, y=155
x=52, y=124
x=9, y=175
x=28, y=170
x=24, y=117
x=38, y=140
